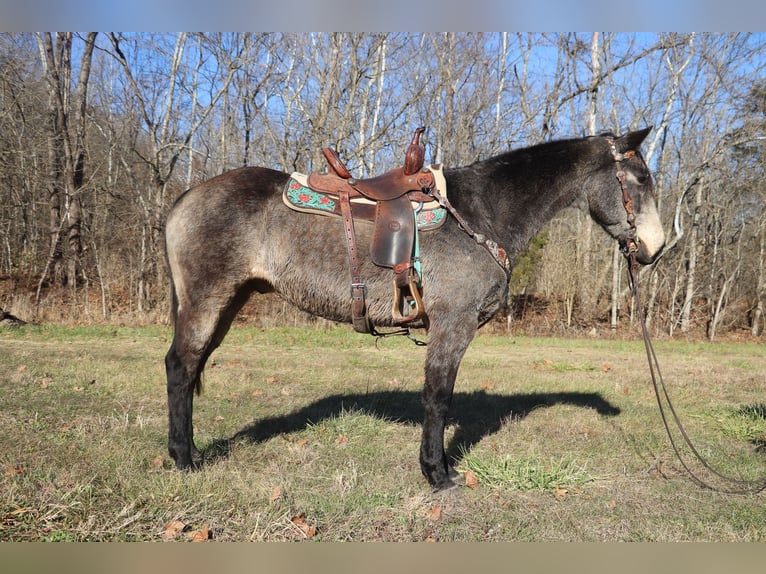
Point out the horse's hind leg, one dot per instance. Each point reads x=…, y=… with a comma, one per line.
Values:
x=199, y=329
x=183, y=366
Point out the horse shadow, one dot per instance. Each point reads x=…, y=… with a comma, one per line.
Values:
x=475, y=415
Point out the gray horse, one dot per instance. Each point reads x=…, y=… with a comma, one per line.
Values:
x=232, y=236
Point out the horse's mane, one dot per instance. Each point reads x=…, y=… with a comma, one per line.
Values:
x=558, y=151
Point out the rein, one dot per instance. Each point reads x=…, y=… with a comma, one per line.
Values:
x=737, y=486
x=498, y=253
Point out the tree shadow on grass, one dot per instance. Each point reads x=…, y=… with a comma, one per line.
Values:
x=476, y=415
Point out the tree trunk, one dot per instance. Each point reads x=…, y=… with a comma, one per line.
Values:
x=756, y=324
x=587, y=296
x=686, y=310
x=66, y=149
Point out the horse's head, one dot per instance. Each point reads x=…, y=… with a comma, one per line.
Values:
x=625, y=184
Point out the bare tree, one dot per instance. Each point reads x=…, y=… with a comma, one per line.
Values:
x=167, y=139
x=66, y=148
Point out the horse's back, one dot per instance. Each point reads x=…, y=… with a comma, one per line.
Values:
x=240, y=188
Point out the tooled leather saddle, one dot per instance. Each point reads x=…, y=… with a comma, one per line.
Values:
x=398, y=204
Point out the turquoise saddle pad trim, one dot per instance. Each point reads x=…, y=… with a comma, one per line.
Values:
x=306, y=199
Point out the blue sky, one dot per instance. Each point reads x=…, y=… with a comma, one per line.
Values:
x=393, y=15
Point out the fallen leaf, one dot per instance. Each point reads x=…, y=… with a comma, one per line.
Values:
x=561, y=492
x=21, y=368
x=394, y=382
x=606, y=367
x=276, y=494
x=302, y=442
x=79, y=389
x=435, y=514
x=299, y=519
x=487, y=385
x=218, y=419
x=257, y=393
x=158, y=462
x=173, y=529
x=13, y=470
x=611, y=504
x=342, y=439
x=626, y=391
x=272, y=380
x=201, y=535
x=471, y=481
x=306, y=529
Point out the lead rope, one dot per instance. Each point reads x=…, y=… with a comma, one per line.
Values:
x=660, y=390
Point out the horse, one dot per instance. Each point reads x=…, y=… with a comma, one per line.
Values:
x=231, y=237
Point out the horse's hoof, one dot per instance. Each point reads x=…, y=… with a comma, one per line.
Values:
x=447, y=486
x=190, y=465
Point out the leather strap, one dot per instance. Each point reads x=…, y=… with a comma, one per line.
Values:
x=495, y=250
x=358, y=288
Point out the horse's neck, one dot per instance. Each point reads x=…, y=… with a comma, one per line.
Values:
x=510, y=204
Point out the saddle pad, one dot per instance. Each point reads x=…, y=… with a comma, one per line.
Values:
x=299, y=196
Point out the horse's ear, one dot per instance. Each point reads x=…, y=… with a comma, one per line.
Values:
x=631, y=140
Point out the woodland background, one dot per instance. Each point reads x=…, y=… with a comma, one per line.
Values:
x=99, y=132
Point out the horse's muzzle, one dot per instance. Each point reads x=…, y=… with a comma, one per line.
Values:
x=646, y=255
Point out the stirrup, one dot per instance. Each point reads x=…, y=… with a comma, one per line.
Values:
x=405, y=300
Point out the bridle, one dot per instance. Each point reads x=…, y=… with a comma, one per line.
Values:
x=629, y=249
x=631, y=243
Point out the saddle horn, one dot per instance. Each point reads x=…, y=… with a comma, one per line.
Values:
x=413, y=159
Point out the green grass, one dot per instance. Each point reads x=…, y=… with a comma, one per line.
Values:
x=507, y=472
x=743, y=424
x=314, y=434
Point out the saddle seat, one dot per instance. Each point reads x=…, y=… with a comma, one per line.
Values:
x=394, y=241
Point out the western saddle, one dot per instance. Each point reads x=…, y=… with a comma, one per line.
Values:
x=394, y=241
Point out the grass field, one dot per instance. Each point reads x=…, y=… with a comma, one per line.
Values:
x=559, y=440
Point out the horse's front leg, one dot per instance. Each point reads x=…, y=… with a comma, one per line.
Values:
x=446, y=346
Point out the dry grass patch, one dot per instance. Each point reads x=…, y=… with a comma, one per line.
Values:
x=313, y=435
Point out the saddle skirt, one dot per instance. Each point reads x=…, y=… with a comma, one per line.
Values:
x=298, y=196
